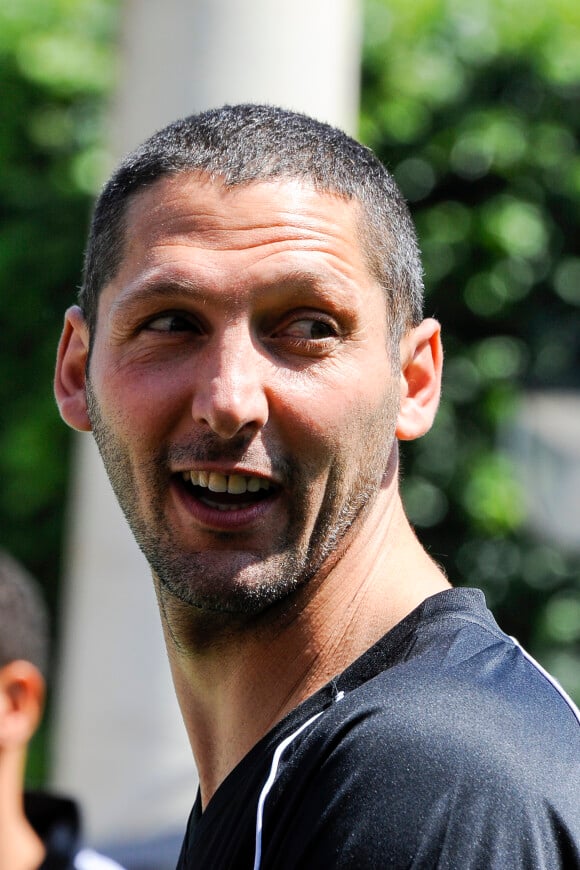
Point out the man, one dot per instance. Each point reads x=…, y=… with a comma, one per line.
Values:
x=248, y=350
x=38, y=831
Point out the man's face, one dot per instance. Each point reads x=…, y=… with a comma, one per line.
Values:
x=241, y=386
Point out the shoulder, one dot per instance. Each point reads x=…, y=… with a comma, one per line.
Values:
x=473, y=756
x=475, y=707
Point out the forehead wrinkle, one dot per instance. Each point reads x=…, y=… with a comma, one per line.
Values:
x=165, y=202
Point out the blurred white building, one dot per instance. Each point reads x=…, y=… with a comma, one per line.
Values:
x=544, y=441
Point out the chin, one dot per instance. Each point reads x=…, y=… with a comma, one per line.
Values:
x=247, y=589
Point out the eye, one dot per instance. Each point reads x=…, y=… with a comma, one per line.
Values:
x=172, y=322
x=308, y=329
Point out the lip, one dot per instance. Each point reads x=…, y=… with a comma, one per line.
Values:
x=218, y=520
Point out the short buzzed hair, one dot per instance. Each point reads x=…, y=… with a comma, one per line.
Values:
x=23, y=617
x=241, y=145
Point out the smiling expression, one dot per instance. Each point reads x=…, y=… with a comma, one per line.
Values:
x=241, y=388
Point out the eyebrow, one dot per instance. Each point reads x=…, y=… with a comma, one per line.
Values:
x=297, y=280
x=152, y=289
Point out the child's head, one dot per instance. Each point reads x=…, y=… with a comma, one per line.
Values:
x=23, y=656
x=23, y=617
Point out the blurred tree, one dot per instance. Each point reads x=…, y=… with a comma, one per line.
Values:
x=476, y=111
x=55, y=65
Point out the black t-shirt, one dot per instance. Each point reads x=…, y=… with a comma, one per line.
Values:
x=443, y=746
x=56, y=820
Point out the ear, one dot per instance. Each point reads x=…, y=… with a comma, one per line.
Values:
x=71, y=367
x=421, y=367
x=22, y=691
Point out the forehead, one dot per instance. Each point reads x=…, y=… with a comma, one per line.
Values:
x=190, y=208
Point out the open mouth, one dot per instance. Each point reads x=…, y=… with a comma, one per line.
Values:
x=227, y=492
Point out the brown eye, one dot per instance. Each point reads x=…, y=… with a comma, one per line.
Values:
x=309, y=329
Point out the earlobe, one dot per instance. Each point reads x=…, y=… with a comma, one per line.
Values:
x=421, y=367
x=71, y=366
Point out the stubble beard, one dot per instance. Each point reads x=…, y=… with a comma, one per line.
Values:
x=242, y=583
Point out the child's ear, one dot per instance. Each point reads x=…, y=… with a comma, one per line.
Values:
x=22, y=692
x=421, y=367
x=71, y=365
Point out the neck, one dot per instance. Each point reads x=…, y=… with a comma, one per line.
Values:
x=233, y=691
x=20, y=845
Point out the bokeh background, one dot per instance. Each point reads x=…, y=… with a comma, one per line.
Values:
x=476, y=110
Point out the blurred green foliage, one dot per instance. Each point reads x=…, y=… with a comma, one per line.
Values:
x=475, y=108
x=55, y=65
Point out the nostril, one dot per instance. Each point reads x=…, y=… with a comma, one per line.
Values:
x=227, y=425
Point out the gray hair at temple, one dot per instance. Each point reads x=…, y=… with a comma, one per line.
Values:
x=244, y=144
x=23, y=617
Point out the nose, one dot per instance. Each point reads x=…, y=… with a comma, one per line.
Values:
x=230, y=395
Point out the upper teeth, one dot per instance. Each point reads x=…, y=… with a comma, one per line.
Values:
x=234, y=483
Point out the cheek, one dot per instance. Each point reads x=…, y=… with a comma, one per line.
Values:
x=137, y=405
x=339, y=414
